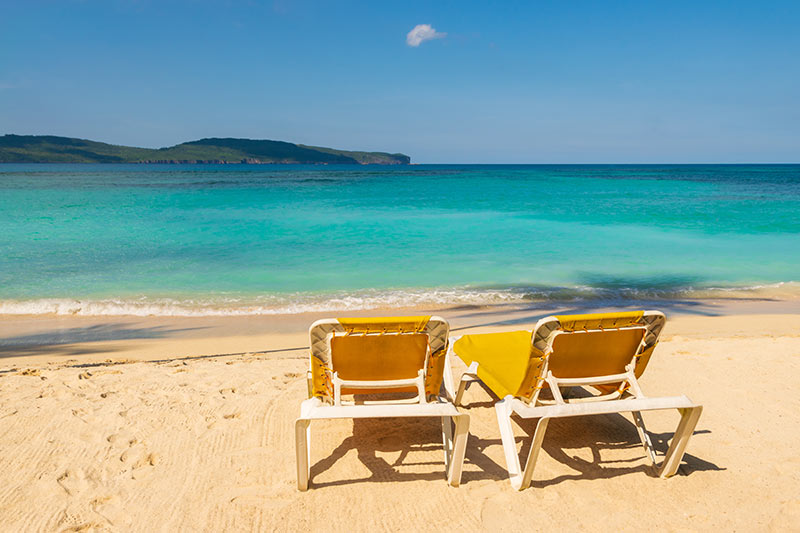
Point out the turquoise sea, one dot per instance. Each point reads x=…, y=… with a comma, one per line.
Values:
x=231, y=239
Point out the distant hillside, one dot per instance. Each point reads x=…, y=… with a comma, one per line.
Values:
x=51, y=149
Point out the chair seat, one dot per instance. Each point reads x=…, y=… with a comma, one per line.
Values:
x=627, y=405
x=314, y=409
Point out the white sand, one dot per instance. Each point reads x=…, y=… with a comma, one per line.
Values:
x=207, y=444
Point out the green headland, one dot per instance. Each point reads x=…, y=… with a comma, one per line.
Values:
x=52, y=149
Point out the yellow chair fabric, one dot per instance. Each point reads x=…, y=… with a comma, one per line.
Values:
x=600, y=320
x=378, y=357
x=503, y=358
x=404, y=324
x=596, y=353
x=511, y=363
x=434, y=332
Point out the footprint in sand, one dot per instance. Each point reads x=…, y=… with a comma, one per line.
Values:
x=118, y=439
x=291, y=376
x=110, y=508
x=143, y=467
x=79, y=518
x=73, y=481
x=138, y=459
x=256, y=495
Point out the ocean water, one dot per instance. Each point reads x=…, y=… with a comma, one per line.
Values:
x=238, y=239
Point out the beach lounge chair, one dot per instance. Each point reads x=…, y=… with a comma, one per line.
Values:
x=380, y=357
x=608, y=352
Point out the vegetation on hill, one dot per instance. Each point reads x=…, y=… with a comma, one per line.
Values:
x=51, y=149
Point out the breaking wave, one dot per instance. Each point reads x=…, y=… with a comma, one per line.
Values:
x=296, y=303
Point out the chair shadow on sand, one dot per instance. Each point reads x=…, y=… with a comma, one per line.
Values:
x=603, y=435
x=373, y=437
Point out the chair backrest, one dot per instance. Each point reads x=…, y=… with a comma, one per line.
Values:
x=374, y=349
x=580, y=354
x=580, y=346
x=377, y=357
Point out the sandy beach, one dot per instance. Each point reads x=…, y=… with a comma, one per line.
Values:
x=168, y=423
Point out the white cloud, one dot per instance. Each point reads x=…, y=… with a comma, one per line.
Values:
x=422, y=33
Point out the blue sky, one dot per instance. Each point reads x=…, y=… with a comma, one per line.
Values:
x=510, y=82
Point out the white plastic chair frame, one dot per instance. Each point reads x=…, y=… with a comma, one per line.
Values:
x=631, y=401
x=455, y=424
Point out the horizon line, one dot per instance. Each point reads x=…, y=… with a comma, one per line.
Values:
x=750, y=163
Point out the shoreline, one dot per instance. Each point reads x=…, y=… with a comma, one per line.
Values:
x=358, y=300
x=54, y=339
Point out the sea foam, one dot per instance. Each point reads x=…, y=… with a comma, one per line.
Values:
x=376, y=299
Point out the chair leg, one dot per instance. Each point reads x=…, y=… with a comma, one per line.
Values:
x=533, y=454
x=677, y=447
x=302, y=433
x=459, y=448
x=520, y=479
x=462, y=387
x=447, y=441
x=503, y=411
x=643, y=436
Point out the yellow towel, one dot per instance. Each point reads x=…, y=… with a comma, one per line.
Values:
x=503, y=359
